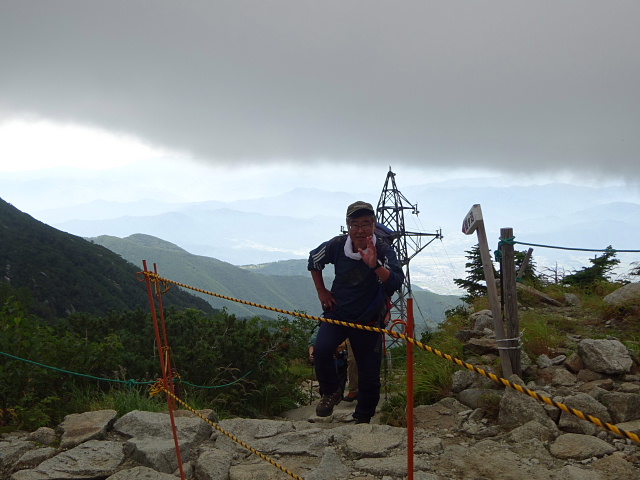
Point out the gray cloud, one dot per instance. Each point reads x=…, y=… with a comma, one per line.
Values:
x=510, y=86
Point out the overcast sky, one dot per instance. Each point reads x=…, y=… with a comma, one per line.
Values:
x=545, y=87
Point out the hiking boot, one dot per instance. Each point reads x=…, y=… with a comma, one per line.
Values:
x=363, y=420
x=350, y=397
x=326, y=403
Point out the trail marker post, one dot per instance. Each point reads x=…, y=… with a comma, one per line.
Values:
x=510, y=299
x=473, y=222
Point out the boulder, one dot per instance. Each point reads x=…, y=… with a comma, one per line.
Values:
x=605, y=356
x=625, y=295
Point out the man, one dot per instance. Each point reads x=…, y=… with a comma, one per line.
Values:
x=367, y=273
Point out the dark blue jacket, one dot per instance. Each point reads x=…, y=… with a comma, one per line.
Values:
x=360, y=295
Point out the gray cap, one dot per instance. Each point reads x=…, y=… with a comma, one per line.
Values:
x=354, y=207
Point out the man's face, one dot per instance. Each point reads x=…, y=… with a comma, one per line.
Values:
x=360, y=229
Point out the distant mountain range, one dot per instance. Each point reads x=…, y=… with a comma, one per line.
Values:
x=284, y=285
x=65, y=274
x=287, y=226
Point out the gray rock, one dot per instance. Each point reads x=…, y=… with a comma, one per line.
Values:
x=331, y=467
x=139, y=424
x=213, y=465
x=623, y=407
x=44, y=436
x=571, y=472
x=482, y=319
x=517, y=408
x=543, y=361
x=624, y=295
x=78, y=428
x=33, y=458
x=428, y=445
x=395, y=466
x=368, y=441
x=579, y=447
x=587, y=405
x=141, y=473
x=10, y=452
x=532, y=429
x=481, y=346
x=605, y=356
x=479, y=397
x=572, y=299
x=92, y=459
x=557, y=376
x=157, y=453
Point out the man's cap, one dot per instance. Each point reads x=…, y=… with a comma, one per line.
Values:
x=354, y=207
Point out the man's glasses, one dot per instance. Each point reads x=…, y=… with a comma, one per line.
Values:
x=366, y=227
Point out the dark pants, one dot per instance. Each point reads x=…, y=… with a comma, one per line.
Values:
x=367, y=349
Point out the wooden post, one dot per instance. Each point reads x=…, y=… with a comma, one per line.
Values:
x=472, y=222
x=508, y=264
x=524, y=265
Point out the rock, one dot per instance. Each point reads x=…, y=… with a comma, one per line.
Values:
x=572, y=472
x=572, y=299
x=587, y=405
x=625, y=295
x=373, y=441
x=623, y=407
x=517, y=409
x=482, y=319
x=213, y=464
x=605, y=356
x=33, y=458
x=157, y=453
x=78, y=428
x=556, y=376
x=331, y=467
x=579, y=447
x=142, y=473
x=574, y=363
x=140, y=424
x=532, y=429
x=479, y=397
x=92, y=459
x=481, y=346
x=44, y=436
x=11, y=452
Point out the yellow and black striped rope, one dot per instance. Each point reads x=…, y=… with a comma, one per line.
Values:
x=232, y=437
x=507, y=383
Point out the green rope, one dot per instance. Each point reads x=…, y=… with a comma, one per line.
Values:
x=221, y=386
x=130, y=382
x=503, y=241
x=614, y=250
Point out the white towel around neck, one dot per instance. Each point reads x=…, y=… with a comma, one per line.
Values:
x=348, y=249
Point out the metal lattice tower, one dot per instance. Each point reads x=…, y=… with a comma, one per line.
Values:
x=390, y=213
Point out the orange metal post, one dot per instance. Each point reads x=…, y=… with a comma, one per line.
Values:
x=410, y=333
x=165, y=358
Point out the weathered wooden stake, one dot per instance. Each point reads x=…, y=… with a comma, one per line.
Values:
x=472, y=222
x=510, y=296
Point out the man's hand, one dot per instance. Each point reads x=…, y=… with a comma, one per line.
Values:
x=326, y=299
x=370, y=254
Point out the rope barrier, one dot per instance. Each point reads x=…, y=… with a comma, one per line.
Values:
x=613, y=250
x=230, y=435
x=503, y=381
x=130, y=382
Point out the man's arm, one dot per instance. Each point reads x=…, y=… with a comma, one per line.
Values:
x=326, y=297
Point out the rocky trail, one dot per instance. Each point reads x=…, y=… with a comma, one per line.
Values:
x=483, y=431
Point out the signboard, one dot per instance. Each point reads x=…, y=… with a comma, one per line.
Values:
x=472, y=220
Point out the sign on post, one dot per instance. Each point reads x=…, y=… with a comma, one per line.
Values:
x=473, y=222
